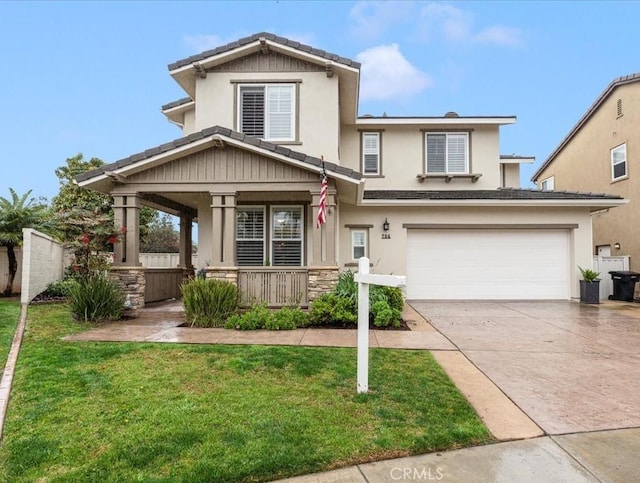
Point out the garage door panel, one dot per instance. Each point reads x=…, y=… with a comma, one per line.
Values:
x=487, y=264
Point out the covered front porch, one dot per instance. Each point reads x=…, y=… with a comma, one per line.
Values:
x=255, y=205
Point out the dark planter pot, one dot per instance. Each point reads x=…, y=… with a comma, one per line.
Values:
x=590, y=292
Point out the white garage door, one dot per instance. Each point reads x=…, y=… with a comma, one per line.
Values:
x=488, y=264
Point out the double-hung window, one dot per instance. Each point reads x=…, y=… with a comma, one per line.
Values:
x=447, y=153
x=619, y=162
x=547, y=184
x=286, y=235
x=250, y=236
x=267, y=111
x=371, y=153
x=358, y=244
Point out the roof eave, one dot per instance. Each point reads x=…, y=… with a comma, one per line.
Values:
x=596, y=204
x=380, y=121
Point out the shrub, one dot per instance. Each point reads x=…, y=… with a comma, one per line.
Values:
x=384, y=315
x=287, y=318
x=208, y=303
x=96, y=298
x=60, y=288
x=330, y=308
x=347, y=287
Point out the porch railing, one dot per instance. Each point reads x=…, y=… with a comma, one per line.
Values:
x=162, y=283
x=274, y=285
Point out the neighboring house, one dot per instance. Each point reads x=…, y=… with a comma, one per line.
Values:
x=602, y=154
x=426, y=197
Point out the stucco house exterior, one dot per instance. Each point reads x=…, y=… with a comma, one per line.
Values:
x=429, y=197
x=601, y=153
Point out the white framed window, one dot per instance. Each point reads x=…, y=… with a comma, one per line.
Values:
x=250, y=235
x=447, y=153
x=287, y=235
x=547, y=184
x=267, y=111
x=358, y=244
x=619, y=162
x=371, y=153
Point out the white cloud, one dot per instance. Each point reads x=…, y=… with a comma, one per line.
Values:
x=387, y=74
x=500, y=35
x=457, y=25
x=371, y=19
x=200, y=43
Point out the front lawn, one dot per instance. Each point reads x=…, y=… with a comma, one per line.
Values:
x=164, y=412
x=9, y=315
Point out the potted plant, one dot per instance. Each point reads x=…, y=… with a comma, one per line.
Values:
x=589, y=286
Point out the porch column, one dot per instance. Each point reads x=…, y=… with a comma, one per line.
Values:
x=132, y=237
x=119, y=218
x=186, y=241
x=216, y=229
x=229, y=231
x=324, y=238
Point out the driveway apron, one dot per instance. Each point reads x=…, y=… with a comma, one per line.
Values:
x=570, y=367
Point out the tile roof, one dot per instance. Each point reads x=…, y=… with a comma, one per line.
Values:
x=269, y=36
x=499, y=194
x=179, y=102
x=515, y=156
x=625, y=79
x=211, y=131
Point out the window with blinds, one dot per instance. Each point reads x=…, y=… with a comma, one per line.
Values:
x=250, y=239
x=447, y=152
x=286, y=235
x=358, y=244
x=619, y=162
x=267, y=111
x=371, y=153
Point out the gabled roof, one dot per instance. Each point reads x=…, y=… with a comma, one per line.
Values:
x=620, y=81
x=268, y=36
x=226, y=135
x=179, y=102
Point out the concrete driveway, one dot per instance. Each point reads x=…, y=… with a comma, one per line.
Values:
x=570, y=367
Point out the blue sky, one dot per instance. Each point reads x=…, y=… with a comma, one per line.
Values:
x=90, y=77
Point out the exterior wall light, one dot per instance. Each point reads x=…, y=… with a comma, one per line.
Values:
x=385, y=225
x=616, y=246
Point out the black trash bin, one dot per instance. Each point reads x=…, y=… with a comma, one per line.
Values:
x=624, y=284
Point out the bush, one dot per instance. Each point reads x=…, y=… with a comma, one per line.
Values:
x=260, y=317
x=209, y=303
x=96, y=299
x=384, y=315
x=347, y=287
x=60, y=288
x=331, y=309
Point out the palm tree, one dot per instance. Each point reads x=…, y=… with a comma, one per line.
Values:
x=15, y=214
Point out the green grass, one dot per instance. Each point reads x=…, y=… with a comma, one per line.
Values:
x=162, y=412
x=9, y=316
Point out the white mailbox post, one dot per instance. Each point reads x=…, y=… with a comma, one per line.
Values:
x=364, y=279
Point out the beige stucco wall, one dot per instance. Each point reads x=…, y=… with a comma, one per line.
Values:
x=403, y=157
x=189, y=125
x=318, y=107
x=585, y=165
x=511, y=175
x=388, y=255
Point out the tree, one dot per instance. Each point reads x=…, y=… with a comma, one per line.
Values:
x=15, y=214
x=162, y=237
x=73, y=204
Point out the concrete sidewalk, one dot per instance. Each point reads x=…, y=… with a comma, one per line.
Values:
x=585, y=457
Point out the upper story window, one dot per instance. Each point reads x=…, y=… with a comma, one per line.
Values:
x=371, y=153
x=547, y=184
x=619, y=162
x=447, y=153
x=267, y=111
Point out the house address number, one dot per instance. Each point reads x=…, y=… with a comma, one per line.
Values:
x=386, y=236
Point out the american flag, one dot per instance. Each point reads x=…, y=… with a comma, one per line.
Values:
x=322, y=205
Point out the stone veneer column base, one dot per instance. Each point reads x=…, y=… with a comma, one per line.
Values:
x=321, y=280
x=227, y=274
x=131, y=281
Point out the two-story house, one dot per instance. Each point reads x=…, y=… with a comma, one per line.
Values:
x=602, y=154
x=427, y=197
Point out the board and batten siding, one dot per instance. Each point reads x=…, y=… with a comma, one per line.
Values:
x=223, y=165
x=271, y=62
